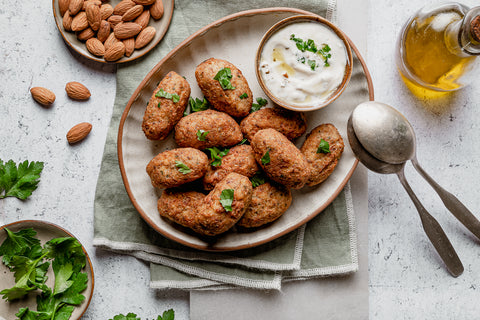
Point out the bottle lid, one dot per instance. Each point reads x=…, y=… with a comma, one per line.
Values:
x=475, y=28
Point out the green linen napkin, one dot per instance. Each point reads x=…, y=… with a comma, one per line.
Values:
x=325, y=246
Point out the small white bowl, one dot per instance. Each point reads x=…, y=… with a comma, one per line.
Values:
x=320, y=103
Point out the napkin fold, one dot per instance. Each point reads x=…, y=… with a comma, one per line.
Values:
x=323, y=247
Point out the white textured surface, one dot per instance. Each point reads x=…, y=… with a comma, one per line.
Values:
x=407, y=278
x=33, y=53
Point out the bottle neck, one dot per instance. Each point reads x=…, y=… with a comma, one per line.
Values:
x=463, y=36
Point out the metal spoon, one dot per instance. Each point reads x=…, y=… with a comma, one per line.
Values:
x=389, y=137
x=431, y=226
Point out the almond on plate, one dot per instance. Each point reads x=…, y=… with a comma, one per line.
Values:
x=63, y=6
x=42, y=95
x=156, y=10
x=75, y=6
x=93, y=16
x=115, y=52
x=123, y=6
x=77, y=91
x=86, y=34
x=144, y=2
x=95, y=47
x=67, y=21
x=80, y=22
x=129, y=46
x=126, y=30
x=144, y=37
x=106, y=10
x=104, y=31
x=78, y=132
x=132, y=13
x=143, y=19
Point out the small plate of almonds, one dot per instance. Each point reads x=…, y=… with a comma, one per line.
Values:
x=112, y=31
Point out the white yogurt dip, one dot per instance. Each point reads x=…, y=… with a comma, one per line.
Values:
x=308, y=75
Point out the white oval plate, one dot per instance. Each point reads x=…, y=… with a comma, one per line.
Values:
x=234, y=38
x=160, y=25
x=45, y=232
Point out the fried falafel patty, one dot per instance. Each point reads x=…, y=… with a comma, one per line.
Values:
x=236, y=102
x=162, y=114
x=281, y=160
x=180, y=207
x=240, y=159
x=322, y=164
x=205, y=129
x=212, y=217
x=175, y=167
x=269, y=201
x=290, y=123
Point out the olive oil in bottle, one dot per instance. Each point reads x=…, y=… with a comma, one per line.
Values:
x=437, y=47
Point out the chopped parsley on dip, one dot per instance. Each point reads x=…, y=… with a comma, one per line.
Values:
x=303, y=63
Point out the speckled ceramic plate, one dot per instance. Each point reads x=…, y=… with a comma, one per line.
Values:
x=239, y=35
x=160, y=25
x=45, y=232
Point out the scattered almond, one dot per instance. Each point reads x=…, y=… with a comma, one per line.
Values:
x=80, y=22
x=132, y=13
x=75, y=6
x=93, y=16
x=129, y=46
x=144, y=2
x=97, y=3
x=143, y=19
x=106, y=11
x=111, y=40
x=42, y=95
x=144, y=37
x=95, y=47
x=126, y=30
x=114, y=20
x=85, y=34
x=77, y=91
x=79, y=132
x=63, y=6
x=104, y=31
x=67, y=21
x=115, y=52
x=123, y=6
x=156, y=10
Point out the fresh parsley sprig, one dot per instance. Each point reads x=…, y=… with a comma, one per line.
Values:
x=216, y=155
x=323, y=147
x=266, y=157
x=202, y=134
x=163, y=94
x=261, y=102
x=258, y=179
x=196, y=105
x=19, y=181
x=167, y=315
x=182, y=167
x=224, y=76
x=310, y=45
x=29, y=261
x=226, y=199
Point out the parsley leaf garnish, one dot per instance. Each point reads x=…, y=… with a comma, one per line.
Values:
x=167, y=315
x=266, y=158
x=226, y=199
x=258, y=179
x=223, y=77
x=243, y=141
x=244, y=95
x=17, y=243
x=216, y=155
x=182, y=167
x=201, y=135
x=19, y=182
x=261, y=102
x=198, y=105
x=172, y=96
x=323, y=147
x=310, y=45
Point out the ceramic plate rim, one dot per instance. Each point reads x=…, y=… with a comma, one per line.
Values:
x=158, y=66
x=53, y=225
x=84, y=53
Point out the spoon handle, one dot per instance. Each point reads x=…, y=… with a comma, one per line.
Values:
x=434, y=232
x=457, y=208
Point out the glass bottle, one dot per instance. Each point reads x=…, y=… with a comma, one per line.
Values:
x=438, y=46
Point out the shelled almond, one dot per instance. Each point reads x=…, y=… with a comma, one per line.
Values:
x=111, y=31
x=78, y=132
